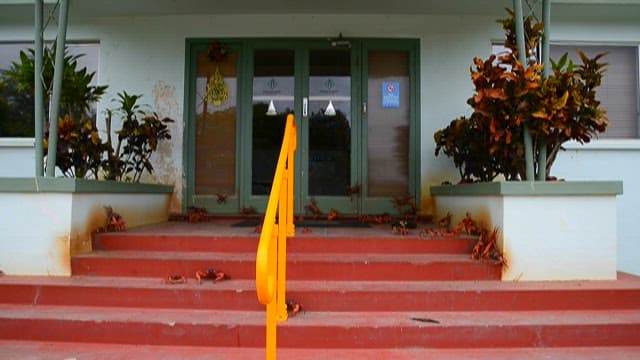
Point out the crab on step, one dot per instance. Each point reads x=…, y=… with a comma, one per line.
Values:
x=211, y=274
x=293, y=308
x=175, y=279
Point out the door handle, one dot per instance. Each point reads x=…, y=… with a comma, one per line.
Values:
x=305, y=106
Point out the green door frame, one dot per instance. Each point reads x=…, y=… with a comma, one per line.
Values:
x=326, y=203
x=378, y=205
x=248, y=199
x=359, y=70
x=190, y=199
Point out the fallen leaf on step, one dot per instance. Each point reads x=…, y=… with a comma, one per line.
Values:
x=425, y=320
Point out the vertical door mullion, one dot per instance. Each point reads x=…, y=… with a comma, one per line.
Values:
x=246, y=141
x=364, y=133
x=189, y=147
x=358, y=116
x=414, y=125
x=302, y=157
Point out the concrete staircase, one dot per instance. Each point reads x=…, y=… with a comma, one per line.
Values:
x=383, y=297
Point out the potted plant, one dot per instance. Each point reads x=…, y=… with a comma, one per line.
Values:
x=540, y=221
x=138, y=139
x=54, y=218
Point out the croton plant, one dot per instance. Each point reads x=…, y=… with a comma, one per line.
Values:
x=510, y=95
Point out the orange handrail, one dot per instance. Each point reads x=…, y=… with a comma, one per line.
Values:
x=271, y=257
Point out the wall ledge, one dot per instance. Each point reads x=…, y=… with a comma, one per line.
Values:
x=15, y=142
x=530, y=188
x=70, y=185
x=604, y=145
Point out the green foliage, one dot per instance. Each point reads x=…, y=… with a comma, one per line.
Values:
x=16, y=111
x=137, y=140
x=460, y=141
x=79, y=148
x=77, y=95
x=509, y=96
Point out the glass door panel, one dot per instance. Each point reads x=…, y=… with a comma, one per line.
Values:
x=356, y=118
x=329, y=160
x=388, y=123
x=273, y=99
x=215, y=133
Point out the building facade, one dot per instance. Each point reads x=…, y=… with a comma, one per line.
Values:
x=394, y=73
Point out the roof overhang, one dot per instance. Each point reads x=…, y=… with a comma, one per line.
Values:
x=23, y=9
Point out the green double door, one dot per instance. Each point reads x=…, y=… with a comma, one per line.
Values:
x=356, y=112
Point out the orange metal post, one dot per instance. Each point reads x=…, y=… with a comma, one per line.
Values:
x=271, y=257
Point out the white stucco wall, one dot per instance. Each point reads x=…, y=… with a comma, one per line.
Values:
x=607, y=160
x=35, y=250
x=146, y=55
x=41, y=231
x=17, y=157
x=546, y=237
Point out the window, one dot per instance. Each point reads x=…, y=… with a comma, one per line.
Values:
x=16, y=109
x=619, y=91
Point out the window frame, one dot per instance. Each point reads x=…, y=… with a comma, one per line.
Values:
x=24, y=45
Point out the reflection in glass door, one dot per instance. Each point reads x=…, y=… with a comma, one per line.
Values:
x=329, y=161
x=273, y=99
x=319, y=82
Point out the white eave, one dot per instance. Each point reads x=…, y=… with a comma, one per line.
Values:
x=23, y=9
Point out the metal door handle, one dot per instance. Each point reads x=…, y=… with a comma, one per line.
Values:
x=305, y=106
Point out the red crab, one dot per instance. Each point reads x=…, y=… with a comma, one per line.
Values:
x=115, y=222
x=333, y=215
x=293, y=308
x=211, y=274
x=175, y=279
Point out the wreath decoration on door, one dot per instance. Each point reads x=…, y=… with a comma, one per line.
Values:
x=217, y=91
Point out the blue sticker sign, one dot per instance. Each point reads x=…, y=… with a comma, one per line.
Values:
x=390, y=94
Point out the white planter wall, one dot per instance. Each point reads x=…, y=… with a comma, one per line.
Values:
x=559, y=237
x=41, y=230
x=544, y=235
x=35, y=232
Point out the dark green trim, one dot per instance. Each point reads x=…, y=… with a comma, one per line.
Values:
x=188, y=149
x=301, y=46
x=301, y=175
x=68, y=185
x=415, y=145
x=190, y=198
x=245, y=126
x=412, y=46
x=530, y=188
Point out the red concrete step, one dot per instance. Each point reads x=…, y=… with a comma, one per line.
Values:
x=129, y=292
x=325, y=295
x=341, y=330
x=22, y=350
x=398, y=267
x=132, y=241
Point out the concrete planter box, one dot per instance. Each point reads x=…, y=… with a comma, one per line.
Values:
x=548, y=230
x=44, y=221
